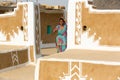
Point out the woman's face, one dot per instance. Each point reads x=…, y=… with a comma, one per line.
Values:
x=61, y=22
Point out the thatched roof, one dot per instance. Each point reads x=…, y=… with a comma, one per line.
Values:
x=107, y=4
x=50, y=8
x=44, y=6
x=7, y=5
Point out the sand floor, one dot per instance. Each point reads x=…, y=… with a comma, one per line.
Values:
x=21, y=73
x=89, y=55
x=48, y=51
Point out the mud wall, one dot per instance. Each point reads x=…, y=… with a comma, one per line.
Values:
x=105, y=25
x=49, y=19
x=10, y=23
x=13, y=58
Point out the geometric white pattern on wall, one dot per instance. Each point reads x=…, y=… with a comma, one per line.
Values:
x=25, y=21
x=75, y=72
x=17, y=37
x=78, y=22
x=14, y=57
x=2, y=36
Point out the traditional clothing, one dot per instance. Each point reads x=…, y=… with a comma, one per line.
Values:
x=61, y=39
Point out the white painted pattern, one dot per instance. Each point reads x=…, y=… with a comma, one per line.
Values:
x=25, y=21
x=70, y=75
x=66, y=76
x=14, y=57
x=89, y=41
x=78, y=23
x=2, y=36
x=17, y=37
x=118, y=78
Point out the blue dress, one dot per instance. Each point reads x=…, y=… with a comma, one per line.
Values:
x=61, y=39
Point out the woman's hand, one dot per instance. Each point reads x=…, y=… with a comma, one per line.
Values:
x=55, y=29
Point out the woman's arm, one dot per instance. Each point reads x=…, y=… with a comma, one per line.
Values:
x=55, y=29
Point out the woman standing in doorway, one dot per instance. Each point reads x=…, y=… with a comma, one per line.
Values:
x=61, y=39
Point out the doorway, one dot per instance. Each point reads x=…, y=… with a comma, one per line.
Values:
x=49, y=19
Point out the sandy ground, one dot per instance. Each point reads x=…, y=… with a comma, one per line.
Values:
x=22, y=73
x=48, y=51
x=89, y=55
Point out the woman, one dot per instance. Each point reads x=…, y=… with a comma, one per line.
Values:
x=61, y=39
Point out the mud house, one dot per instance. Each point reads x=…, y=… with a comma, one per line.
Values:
x=93, y=42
